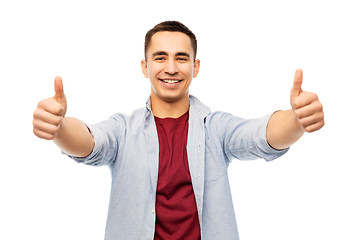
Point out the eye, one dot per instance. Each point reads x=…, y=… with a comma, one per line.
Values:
x=182, y=59
x=160, y=59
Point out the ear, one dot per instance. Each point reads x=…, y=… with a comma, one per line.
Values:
x=144, y=68
x=196, y=68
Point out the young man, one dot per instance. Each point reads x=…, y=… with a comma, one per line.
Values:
x=169, y=159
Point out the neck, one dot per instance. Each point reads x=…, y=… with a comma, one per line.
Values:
x=164, y=109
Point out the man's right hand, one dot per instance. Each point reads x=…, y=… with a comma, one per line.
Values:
x=50, y=113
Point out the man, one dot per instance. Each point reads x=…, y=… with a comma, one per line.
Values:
x=169, y=159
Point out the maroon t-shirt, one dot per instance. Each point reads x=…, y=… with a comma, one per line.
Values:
x=176, y=212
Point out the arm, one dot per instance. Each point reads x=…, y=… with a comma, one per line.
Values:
x=286, y=127
x=50, y=123
x=74, y=138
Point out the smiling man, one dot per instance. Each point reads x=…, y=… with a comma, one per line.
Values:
x=169, y=159
x=170, y=65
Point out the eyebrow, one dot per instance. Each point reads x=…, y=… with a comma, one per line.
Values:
x=183, y=54
x=163, y=53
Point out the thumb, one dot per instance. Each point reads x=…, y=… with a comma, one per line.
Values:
x=296, y=89
x=59, y=90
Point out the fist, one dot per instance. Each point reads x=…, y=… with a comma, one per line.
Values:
x=50, y=112
x=306, y=106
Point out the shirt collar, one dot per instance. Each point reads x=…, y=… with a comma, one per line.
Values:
x=195, y=106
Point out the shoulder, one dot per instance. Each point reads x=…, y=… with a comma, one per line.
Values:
x=224, y=119
x=218, y=121
x=199, y=108
x=136, y=116
x=212, y=120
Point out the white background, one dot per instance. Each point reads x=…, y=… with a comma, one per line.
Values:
x=249, y=51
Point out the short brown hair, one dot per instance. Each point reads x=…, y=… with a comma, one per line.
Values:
x=170, y=26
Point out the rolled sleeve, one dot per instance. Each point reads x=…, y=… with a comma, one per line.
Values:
x=107, y=135
x=246, y=139
x=268, y=153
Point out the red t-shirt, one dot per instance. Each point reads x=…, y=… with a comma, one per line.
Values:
x=176, y=212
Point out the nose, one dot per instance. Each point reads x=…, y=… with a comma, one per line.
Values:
x=171, y=67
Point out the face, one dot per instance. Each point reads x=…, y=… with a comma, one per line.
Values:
x=170, y=66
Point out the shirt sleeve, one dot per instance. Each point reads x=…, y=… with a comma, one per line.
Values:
x=107, y=136
x=246, y=139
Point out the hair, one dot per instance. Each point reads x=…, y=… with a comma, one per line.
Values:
x=170, y=26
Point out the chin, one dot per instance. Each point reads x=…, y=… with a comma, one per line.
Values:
x=172, y=98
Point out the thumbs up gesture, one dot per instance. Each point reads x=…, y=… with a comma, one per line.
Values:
x=50, y=112
x=306, y=106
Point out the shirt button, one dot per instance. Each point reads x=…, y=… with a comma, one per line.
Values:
x=153, y=211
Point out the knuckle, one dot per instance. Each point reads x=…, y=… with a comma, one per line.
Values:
x=311, y=96
x=40, y=103
x=321, y=107
x=317, y=104
x=58, y=109
x=316, y=96
x=36, y=113
x=320, y=116
x=35, y=123
x=43, y=103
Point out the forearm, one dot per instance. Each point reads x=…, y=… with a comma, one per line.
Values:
x=283, y=129
x=74, y=138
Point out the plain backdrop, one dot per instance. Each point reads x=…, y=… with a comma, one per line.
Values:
x=249, y=51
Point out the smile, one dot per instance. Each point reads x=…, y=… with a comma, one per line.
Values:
x=171, y=81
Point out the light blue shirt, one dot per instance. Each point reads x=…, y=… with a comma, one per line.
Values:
x=129, y=146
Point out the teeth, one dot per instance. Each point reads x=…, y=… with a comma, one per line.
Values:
x=170, y=81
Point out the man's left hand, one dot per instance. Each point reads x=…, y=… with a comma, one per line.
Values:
x=306, y=106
